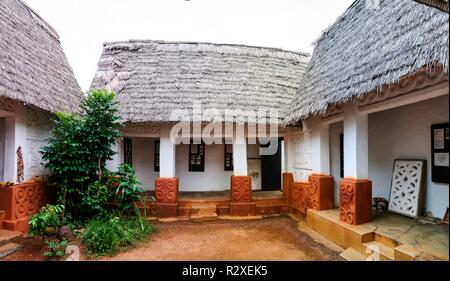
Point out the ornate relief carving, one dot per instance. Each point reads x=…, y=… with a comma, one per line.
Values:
x=424, y=77
x=314, y=192
x=406, y=188
x=300, y=151
x=34, y=162
x=347, y=209
x=356, y=201
x=142, y=128
x=241, y=189
x=7, y=104
x=166, y=190
x=38, y=124
x=300, y=196
x=26, y=199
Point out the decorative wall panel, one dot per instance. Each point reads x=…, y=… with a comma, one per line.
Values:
x=407, y=187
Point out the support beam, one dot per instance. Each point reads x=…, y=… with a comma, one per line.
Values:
x=356, y=148
x=167, y=153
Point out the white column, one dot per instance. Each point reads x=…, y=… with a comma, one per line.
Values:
x=167, y=153
x=356, y=148
x=320, y=148
x=240, y=154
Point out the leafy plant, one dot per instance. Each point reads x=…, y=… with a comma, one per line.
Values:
x=116, y=233
x=56, y=248
x=79, y=147
x=127, y=187
x=49, y=215
x=95, y=198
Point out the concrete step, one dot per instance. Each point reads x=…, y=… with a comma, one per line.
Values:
x=8, y=249
x=352, y=255
x=204, y=217
x=378, y=251
x=7, y=236
x=203, y=209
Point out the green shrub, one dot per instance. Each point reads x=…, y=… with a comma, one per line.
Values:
x=49, y=215
x=94, y=200
x=56, y=248
x=79, y=146
x=127, y=187
x=117, y=233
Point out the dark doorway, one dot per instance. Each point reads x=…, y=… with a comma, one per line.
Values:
x=271, y=169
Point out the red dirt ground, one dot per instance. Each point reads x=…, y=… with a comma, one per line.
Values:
x=268, y=239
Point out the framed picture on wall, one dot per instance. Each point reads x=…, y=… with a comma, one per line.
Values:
x=440, y=153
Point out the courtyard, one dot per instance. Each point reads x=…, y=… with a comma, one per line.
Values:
x=267, y=239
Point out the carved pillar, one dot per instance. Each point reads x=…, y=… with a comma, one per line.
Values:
x=321, y=192
x=355, y=201
x=288, y=179
x=299, y=197
x=355, y=188
x=241, y=196
x=166, y=193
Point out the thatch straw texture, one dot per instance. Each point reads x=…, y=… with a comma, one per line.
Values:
x=440, y=4
x=33, y=67
x=369, y=47
x=152, y=78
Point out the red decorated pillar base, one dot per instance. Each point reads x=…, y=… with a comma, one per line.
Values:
x=166, y=193
x=288, y=180
x=355, y=201
x=321, y=192
x=241, y=196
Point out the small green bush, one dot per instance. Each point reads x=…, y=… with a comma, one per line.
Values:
x=115, y=234
x=56, y=248
x=127, y=187
x=94, y=200
x=49, y=215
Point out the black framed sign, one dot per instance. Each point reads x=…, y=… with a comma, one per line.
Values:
x=440, y=153
x=228, y=162
x=156, y=158
x=128, y=151
x=197, y=157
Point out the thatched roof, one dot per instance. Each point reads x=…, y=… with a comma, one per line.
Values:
x=33, y=67
x=369, y=47
x=152, y=78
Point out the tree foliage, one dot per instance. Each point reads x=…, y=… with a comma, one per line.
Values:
x=79, y=146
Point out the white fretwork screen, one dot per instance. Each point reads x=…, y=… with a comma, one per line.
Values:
x=407, y=187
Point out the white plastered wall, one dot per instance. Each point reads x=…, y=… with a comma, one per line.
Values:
x=405, y=133
x=29, y=128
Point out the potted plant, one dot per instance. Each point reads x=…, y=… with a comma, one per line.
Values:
x=47, y=221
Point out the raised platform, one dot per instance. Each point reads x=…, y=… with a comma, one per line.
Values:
x=387, y=237
x=204, y=206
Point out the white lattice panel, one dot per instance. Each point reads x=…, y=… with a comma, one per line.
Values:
x=406, y=187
